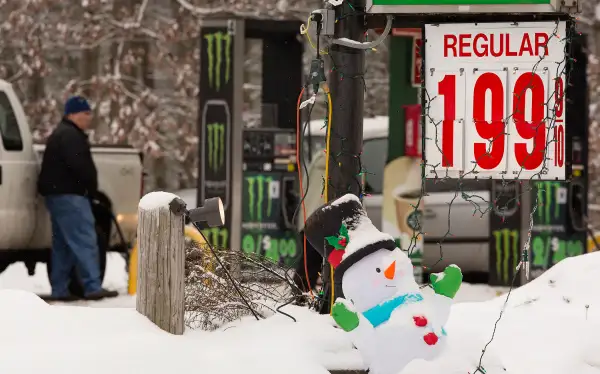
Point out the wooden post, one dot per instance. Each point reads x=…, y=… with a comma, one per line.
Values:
x=161, y=263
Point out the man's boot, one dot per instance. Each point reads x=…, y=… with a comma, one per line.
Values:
x=101, y=294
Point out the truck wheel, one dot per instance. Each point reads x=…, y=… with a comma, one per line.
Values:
x=76, y=287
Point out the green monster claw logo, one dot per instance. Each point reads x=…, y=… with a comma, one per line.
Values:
x=215, y=50
x=216, y=145
x=217, y=236
x=256, y=201
x=547, y=194
x=507, y=243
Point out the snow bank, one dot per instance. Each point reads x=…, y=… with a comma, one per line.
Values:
x=39, y=338
x=154, y=200
x=549, y=327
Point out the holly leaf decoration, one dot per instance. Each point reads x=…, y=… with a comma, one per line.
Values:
x=334, y=241
x=344, y=232
x=339, y=241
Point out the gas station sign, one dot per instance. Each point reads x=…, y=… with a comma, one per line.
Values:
x=470, y=6
x=496, y=101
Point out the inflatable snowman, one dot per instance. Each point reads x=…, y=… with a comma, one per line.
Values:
x=389, y=320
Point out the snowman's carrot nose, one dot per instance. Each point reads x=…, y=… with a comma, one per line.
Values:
x=389, y=272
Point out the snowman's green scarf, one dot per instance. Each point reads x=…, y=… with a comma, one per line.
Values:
x=382, y=312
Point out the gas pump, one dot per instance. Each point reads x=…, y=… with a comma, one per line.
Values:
x=251, y=169
x=270, y=195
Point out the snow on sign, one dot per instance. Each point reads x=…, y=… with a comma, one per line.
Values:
x=495, y=100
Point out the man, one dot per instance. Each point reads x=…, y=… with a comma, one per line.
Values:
x=67, y=181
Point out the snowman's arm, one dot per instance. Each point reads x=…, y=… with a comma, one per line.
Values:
x=445, y=286
x=362, y=333
x=441, y=306
x=348, y=318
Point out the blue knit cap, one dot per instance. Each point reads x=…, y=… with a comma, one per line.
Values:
x=76, y=104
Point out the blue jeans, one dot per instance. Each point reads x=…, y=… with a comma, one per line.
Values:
x=74, y=244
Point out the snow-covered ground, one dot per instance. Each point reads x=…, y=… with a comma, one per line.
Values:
x=549, y=327
x=16, y=277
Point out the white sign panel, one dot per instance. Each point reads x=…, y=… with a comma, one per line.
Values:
x=495, y=100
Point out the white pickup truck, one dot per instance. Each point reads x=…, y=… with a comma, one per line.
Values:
x=25, y=230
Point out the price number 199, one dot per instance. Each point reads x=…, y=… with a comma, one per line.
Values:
x=491, y=128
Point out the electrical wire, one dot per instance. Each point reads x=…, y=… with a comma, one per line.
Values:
x=278, y=309
x=233, y=283
x=304, y=30
x=299, y=151
x=302, y=165
x=326, y=190
x=480, y=368
x=327, y=146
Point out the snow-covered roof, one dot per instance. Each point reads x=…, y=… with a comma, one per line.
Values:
x=374, y=127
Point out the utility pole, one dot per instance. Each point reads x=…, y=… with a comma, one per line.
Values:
x=347, y=86
x=346, y=82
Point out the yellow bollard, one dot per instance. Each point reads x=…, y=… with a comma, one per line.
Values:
x=192, y=233
x=189, y=232
x=591, y=246
x=132, y=287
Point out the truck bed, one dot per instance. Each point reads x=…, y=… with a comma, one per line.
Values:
x=119, y=179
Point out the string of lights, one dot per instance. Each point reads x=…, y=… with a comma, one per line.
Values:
x=481, y=205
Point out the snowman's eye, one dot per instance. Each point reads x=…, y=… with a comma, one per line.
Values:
x=378, y=270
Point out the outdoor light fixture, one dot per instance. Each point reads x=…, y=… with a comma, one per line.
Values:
x=210, y=214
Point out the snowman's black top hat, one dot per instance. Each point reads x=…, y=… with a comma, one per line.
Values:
x=341, y=232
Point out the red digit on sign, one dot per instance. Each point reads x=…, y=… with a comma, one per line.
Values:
x=559, y=130
x=535, y=129
x=558, y=97
x=447, y=88
x=559, y=149
x=493, y=130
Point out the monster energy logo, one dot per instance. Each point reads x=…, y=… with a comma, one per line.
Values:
x=550, y=196
x=216, y=145
x=260, y=202
x=218, y=42
x=507, y=246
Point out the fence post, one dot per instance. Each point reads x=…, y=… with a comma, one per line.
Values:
x=161, y=262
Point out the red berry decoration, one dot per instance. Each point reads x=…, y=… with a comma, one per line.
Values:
x=342, y=242
x=430, y=338
x=335, y=257
x=420, y=321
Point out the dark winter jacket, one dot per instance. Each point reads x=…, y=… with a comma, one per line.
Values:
x=67, y=167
